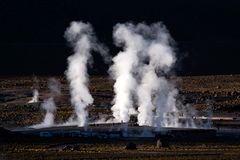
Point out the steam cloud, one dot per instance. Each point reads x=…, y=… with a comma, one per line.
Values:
x=122, y=70
x=49, y=105
x=141, y=71
x=81, y=36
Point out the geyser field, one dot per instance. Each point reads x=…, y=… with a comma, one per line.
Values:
x=15, y=112
x=191, y=117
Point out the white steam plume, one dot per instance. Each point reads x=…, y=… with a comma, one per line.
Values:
x=157, y=94
x=167, y=113
x=161, y=59
x=35, y=91
x=35, y=96
x=81, y=36
x=145, y=91
x=49, y=105
x=122, y=70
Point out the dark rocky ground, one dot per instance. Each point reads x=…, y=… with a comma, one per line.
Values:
x=15, y=92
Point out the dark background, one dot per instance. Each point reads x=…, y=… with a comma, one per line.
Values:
x=207, y=32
